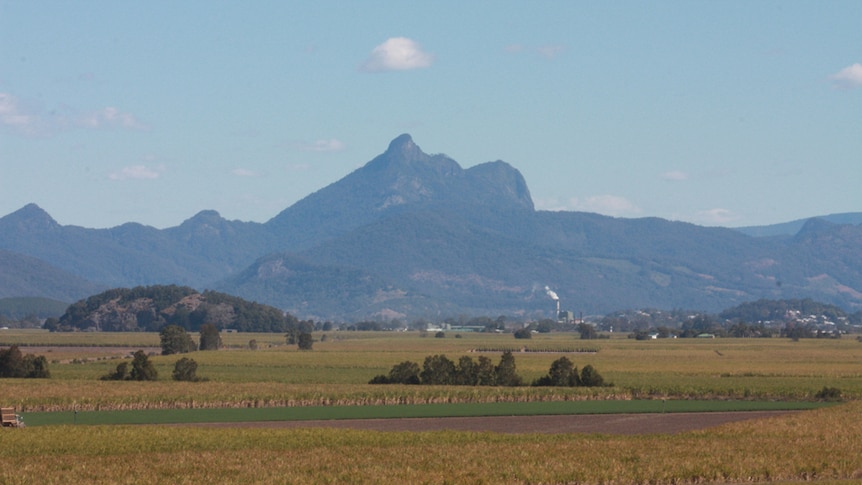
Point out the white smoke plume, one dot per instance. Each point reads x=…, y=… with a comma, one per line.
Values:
x=551, y=293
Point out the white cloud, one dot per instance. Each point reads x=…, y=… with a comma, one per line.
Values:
x=611, y=205
x=109, y=117
x=244, y=172
x=15, y=116
x=397, y=54
x=848, y=78
x=137, y=172
x=675, y=176
x=330, y=145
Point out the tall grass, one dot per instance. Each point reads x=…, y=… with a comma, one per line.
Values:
x=813, y=445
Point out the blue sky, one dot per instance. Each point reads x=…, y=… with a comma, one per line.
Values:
x=728, y=113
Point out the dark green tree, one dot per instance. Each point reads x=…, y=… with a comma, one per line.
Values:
x=437, y=369
x=37, y=366
x=523, y=333
x=305, y=341
x=120, y=374
x=186, y=370
x=142, y=368
x=587, y=331
x=505, y=373
x=465, y=373
x=590, y=377
x=405, y=373
x=486, y=373
x=13, y=363
x=562, y=373
x=210, y=338
x=175, y=340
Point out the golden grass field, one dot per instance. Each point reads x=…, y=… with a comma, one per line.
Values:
x=818, y=445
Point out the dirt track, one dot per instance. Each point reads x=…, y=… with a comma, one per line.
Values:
x=580, y=423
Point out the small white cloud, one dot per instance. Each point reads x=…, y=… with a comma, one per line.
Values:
x=848, y=78
x=675, y=176
x=15, y=117
x=110, y=117
x=397, y=54
x=244, y=172
x=550, y=51
x=716, y=216
x=137, y=172
x=611, y=205
x=330, y=145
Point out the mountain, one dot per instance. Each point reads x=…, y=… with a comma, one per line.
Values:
x=202, y=249
x=22, y=276
x=411, y=235
x=402, y=179
x=792, y=227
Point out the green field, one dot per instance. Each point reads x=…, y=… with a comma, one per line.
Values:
x=336, y=372
x=279, y=382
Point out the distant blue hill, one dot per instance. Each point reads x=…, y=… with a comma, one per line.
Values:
x=410, y=235
x=793, y=227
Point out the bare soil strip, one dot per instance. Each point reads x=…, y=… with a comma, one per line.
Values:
x=623, y=424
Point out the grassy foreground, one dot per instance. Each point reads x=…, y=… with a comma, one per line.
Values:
x=818, y=445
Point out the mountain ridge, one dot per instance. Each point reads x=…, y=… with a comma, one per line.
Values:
x=411, y=235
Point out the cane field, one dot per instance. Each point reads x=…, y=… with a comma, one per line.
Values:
x=82, y=429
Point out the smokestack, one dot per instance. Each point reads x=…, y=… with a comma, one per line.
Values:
x=552, y=295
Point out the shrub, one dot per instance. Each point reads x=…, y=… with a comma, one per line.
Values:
x=561, y=374
x=305, y=341
x=440, y=334
x=142, y=370
x=505, y=373
x=210, y=338
x=405, y=373
x=175, y=340
x=523, y=333
x=186, y=369
x=829, y=394
x=590, y=377
x=437, y=369
x=120, y=374
x=14, y=364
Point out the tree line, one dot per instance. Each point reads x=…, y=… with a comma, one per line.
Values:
x=13, y=363
x=440, y=370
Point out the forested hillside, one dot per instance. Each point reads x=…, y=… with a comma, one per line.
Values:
x=149, y=308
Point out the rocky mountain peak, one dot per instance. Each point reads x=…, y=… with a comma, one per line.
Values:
x=29, y=218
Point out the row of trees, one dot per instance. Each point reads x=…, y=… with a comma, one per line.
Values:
x=176, y=340
x=13, y=363
x=440, y=370
x=141, y=368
